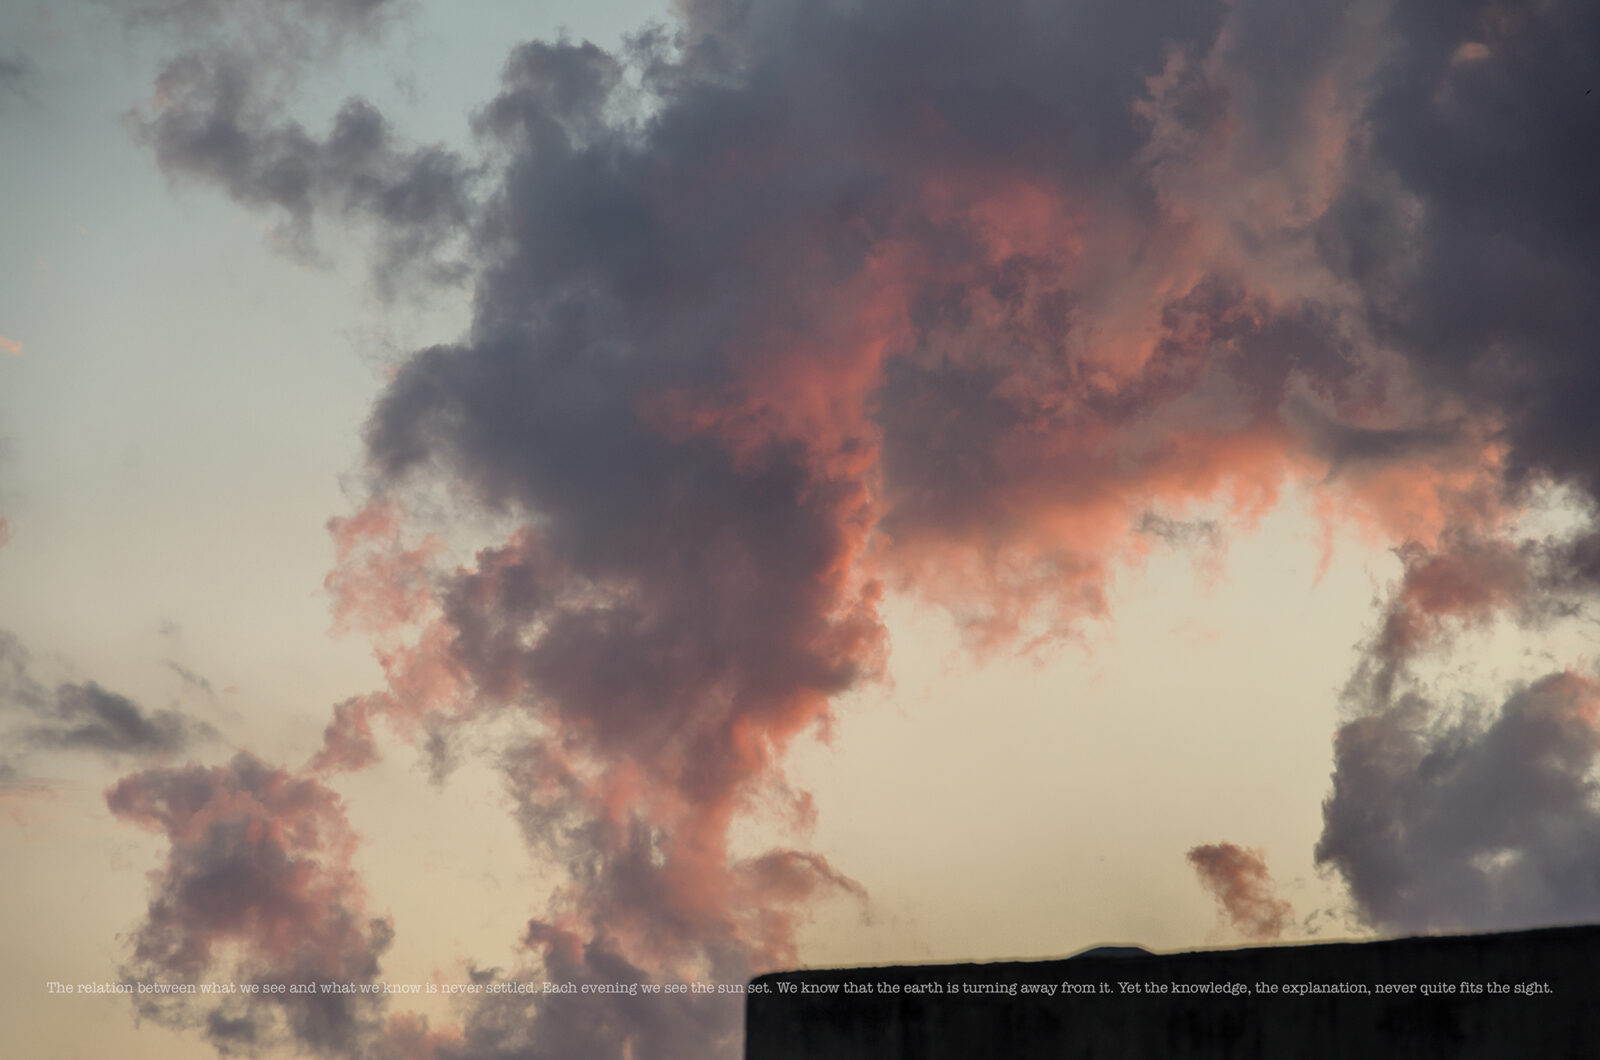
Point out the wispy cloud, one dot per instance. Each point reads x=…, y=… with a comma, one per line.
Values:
x=84, y=717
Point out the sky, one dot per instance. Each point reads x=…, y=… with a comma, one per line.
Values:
x=626, y=493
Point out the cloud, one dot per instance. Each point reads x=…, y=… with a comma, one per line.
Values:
x=801, y=303
x=8, y=346
x=191, y=679
x=1243, y=888
x=1441, y=823
x=1483, y=280
x=348, y=744
x=258, y=887
x=84, y=717
x=802, y=327
x=1444, y=814
x=795, y=304
x=377, y=584
x=599, y=1025
x=217, y=115
x=87, y=717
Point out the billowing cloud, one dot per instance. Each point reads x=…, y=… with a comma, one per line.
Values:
x=830, y=309
x=799, y=303
x=258, y=889
x=1449, y=815
x=1243, y=888
x=1439, y=821
x=1481, y=280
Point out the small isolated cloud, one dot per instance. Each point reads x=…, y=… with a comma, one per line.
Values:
x=10, y=346
x=1243, y=888
x=79, y=717
x=193, y=680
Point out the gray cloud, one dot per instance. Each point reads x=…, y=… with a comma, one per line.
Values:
x=1449, y=815
x=83, y=716
x=1177, y=533
x=1439, y=821
x=87, y=717
x=1472, y=229
x=219, y=117
x=191, y=679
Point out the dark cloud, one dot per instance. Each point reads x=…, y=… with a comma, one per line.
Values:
x=1473, y=240
x=1445, y=814
x=1345, y=444
x=1472, y=231
x=1440, y=821
x=87, y=717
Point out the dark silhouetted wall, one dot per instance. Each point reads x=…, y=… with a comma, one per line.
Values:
x=1427, y=1007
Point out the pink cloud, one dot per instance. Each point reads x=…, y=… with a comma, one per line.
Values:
x=1243, y=888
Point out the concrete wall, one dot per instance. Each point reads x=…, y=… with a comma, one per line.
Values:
x=953, y=1011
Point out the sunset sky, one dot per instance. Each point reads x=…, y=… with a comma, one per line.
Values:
x=506, y=492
